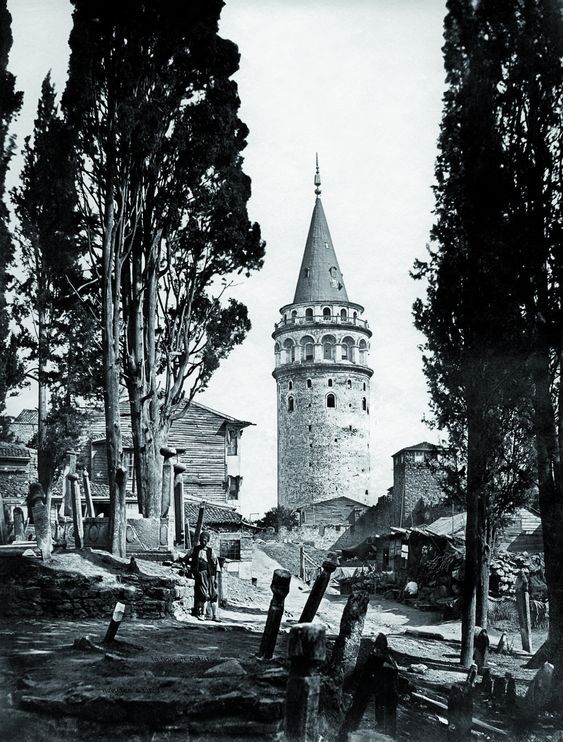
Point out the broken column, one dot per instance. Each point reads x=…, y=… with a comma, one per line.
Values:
x=347, y=645
x=36, y=504
x=523, y=606
x=180, y=515
x=306, y=652
x=280, y=588
x=319, y=588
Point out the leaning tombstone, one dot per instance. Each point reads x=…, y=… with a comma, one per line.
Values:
x=522, y=589
x=36, y=503
x=280, y=588
x=481, y=652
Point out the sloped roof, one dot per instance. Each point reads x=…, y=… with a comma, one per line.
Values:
x=27, y=417
x=214, y=514
x=444, y=526
x=320, y=278
x=14, y=451
x=424, y=446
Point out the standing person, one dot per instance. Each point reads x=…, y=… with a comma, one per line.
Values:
x=205, y=568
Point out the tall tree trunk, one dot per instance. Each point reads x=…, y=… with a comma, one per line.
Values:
x=485, y=551
x=551, y=504
x=43, y=463
x=117, y=475
x=473, y=536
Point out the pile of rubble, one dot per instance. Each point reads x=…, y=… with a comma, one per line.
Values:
x=504, y=571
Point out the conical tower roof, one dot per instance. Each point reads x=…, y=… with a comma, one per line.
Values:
x=320, y=278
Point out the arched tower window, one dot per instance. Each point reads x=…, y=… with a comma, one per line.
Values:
x=347, y=345
x=329, y=382
x=309, y=315
x=308, y=348
x=364, y=386
x=363, y=346
x=327, y=313
x=290, y=385
x=343, y=315
x=330, y=400
x=290, y=404
x=349, y=383
x=293, y=315
x=329, y=345
x=309, y=384
x=289, y=347
x=364, y=404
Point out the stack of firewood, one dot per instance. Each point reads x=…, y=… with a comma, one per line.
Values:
x=505, y=568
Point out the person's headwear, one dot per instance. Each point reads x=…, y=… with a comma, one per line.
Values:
x=204, y=533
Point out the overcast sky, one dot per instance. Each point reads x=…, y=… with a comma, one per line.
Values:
x=359, y=81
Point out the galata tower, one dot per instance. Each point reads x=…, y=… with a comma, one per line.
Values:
x=323, y=381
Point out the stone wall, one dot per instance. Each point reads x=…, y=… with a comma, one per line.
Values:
x=323, y=452
x=29, y=587
x=322, y=537
x=374, y=521
x=413, y=481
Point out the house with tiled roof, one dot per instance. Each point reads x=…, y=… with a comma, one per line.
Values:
x=24, y=427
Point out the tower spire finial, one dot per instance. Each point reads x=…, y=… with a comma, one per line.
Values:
x=317, y=176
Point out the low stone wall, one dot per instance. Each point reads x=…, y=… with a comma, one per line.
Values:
x=29, y=587
x=322, y=537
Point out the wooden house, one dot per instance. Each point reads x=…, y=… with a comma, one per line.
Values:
x=207, y=442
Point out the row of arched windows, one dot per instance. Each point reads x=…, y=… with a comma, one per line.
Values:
x=330, y=401
x=327, y=315
x=331, y=350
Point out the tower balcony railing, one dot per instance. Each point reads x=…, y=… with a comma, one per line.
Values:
x=333, y=319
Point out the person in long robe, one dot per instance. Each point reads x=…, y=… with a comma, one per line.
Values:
x=205, y=568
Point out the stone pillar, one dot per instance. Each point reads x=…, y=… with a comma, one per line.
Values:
x=3, y=528
x=76, y=511
x=180, y=515
x=347, y=645
x=88, y=494
x=306, y=651
x=19, y=525
x=319, y=588
x=70, y=468
x=36, y=503
x=523, y=605
x=280, y=588
x=167, y=480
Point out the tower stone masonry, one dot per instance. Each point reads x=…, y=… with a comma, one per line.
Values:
x=323, y=381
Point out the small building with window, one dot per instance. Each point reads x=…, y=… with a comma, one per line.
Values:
x=231, y=536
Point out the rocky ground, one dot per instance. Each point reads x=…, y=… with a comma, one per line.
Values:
x=164, y=679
